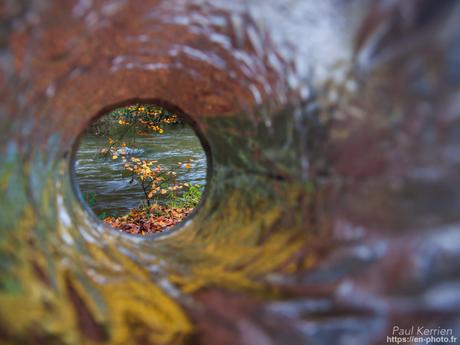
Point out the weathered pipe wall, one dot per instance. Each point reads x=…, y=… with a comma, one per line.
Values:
x=333, y=207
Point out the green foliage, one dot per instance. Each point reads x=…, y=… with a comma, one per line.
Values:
x=90, y=198
x=188, y=199
x=103, y=215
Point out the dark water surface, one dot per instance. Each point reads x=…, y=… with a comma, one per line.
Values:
x=114, y=194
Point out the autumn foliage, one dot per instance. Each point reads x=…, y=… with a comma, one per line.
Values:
x=155, y=218
x=167, y=200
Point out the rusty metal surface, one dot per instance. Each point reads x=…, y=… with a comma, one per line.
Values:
x=332, y=211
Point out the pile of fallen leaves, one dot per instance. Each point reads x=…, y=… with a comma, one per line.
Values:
x=155, y=218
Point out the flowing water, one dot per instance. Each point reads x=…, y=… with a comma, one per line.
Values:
x=114, y=195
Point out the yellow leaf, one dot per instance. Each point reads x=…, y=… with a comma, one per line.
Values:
x=114, y=157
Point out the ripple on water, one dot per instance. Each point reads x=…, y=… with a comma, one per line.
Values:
x=114, y=193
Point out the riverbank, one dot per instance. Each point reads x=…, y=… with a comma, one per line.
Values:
x=156, y=218
x=109, y=193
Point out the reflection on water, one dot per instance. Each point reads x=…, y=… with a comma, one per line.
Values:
x=114, y=194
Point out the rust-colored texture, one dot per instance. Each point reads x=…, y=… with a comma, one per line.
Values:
x=332, y=211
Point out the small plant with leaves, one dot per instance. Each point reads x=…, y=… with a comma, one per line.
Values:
x=167, y=198
x=155, y=179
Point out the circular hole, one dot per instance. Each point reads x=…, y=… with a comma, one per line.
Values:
x=141, y=168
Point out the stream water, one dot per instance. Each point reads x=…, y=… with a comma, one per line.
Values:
x=112, y=192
